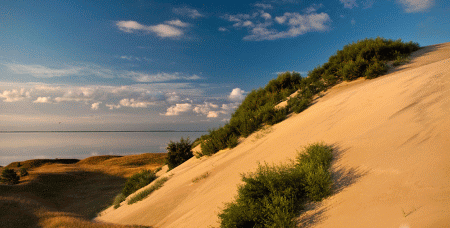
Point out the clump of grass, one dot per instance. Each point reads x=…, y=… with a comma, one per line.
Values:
x=134, y=183
x=274, y=195
x=142, y=195
x=203, y=176
x=119, y=199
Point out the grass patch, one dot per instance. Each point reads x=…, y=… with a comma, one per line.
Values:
x=274, y=195
x=142, y=195
x=203, y=176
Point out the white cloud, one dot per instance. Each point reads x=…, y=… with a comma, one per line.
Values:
x=349, y=3
x=297, y=25
x=237, y=94
x=39, y=71
x=192, y=13
x=95, y=105
x=212, y=114
x=222, y=29
x=313, y=8
x=414, y=6
x=280, y=20
x=161, y=30
x=177, y=23
x=42, y=100
x=159, y=77
x=15, y=95
x=264, y=6
x=134, y=103
x=266, y=16
x=112, y=106
x=205, y=108
x=177, y=109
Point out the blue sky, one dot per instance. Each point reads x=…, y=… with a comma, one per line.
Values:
x=151, y=65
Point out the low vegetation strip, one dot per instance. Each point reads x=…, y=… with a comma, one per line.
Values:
x=274, y=195
x=366, y=58
x=146, y=192
x=134, y=183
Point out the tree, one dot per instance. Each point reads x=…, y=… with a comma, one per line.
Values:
x=9, y=176
x=178, y=152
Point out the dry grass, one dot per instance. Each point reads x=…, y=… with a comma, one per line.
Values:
x=69, y=195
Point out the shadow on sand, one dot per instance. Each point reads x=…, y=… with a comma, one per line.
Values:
x=343, y=177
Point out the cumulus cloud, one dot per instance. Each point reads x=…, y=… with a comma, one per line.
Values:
x=349, y=3
x=414, y=6
x=14, y=95
x=112, y=106
x=43, y=100
x=95, y=105
x=296, y=24
x=177, y=109
x=205, y=108
x=237, y=94
x=264, y=6
x=266, y=16
x=192, y=13
x=134, y=103
x=169, y=29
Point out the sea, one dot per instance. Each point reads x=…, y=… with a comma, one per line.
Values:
x=22, y=146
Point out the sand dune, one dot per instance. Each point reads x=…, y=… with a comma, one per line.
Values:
x=392, y=166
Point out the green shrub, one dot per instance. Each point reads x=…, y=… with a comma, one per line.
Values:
x=375, y=69
x=119, y=199
x=146, y=192
x=178, y=152
x=23, y=172
x=274, y=195
x=9, y=176
x=138, y=181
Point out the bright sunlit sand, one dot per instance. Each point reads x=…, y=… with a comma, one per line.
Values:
x=391, y=166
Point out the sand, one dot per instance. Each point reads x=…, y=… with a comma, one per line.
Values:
x=392, y=156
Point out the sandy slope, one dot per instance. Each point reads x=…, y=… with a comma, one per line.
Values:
x=392, y=163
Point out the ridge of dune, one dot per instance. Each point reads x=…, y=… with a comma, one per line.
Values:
x=391, y=167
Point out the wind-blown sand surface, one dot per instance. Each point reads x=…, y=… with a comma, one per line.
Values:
x=391, y=167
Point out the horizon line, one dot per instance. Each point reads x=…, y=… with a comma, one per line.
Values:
x=92, y=131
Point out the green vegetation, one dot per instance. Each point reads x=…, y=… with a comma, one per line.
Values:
x=134, y=183
x=274, y=195
x=203, y=176
x=146, y=192
x=366, y=58
x=23, y=172
x=178, y=152
x=9, y=176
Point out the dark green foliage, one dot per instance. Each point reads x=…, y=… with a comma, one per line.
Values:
x=138, y=181
x=365, y=58
x=314, y=164
x=9, y=176
x=119, y=199
x=274, y=195
x=375, y=69
x=178, y=152
x=23, y=172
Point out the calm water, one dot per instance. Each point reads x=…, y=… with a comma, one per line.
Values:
x=25, y=146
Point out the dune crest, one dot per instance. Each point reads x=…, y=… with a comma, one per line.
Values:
x=391, y=167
